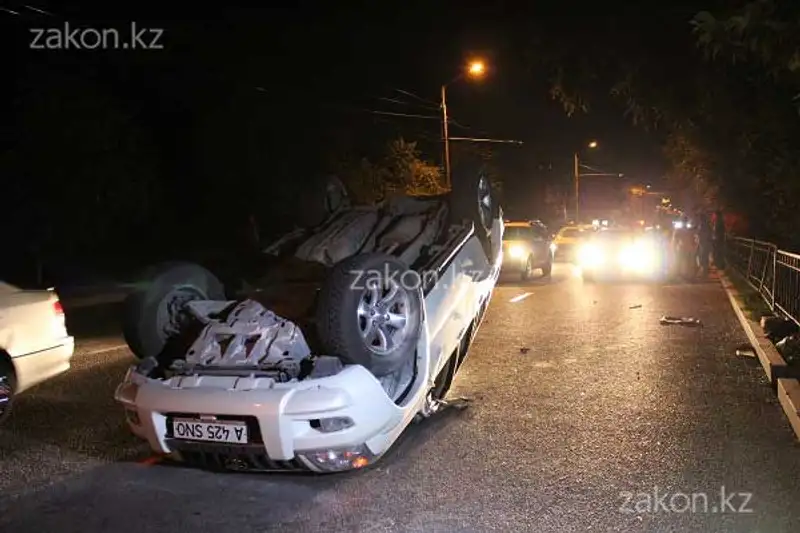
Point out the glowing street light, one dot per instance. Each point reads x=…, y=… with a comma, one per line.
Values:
x=592, y=144
x=475, y=69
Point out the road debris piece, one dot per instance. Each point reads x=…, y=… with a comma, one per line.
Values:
x=680, y=321
x=524, y=350
x=637, y=306
x=745, y=350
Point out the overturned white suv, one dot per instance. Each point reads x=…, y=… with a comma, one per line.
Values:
x=321, y=364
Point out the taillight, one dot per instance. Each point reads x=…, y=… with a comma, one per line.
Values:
x=58, y=308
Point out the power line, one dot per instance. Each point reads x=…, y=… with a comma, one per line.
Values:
x=412, y=104
x=470, y=139
x=421, y=99
x=36, y=9
x=406, y=115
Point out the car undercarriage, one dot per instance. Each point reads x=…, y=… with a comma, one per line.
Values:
x=383, y=298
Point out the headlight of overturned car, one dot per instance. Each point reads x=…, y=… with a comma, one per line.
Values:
x=340, y=459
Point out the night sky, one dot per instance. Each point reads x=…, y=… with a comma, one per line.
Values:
x=327, y=64
x=271, y=92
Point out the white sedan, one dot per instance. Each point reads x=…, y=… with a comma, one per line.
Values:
x=369, y=321
x=34, y=343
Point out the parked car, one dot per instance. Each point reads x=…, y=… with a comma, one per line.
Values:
x=34, y=343
x=356, y=330
x=527, y=247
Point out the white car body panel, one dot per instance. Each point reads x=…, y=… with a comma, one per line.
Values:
x=284, y=411
x=33, y=335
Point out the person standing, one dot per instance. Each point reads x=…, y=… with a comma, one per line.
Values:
x=685, y=249
x=719, y=239
x=705, y=237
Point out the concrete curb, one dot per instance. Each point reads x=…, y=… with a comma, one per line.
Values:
x=789, y=396
x=771, y=360
x=774, y=365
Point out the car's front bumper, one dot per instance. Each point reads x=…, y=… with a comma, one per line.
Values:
x=283, y=419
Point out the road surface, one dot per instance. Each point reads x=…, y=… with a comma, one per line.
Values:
x=587, y=415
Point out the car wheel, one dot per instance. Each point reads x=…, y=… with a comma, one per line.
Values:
x=6, y=391
x=473, y=199
x=547, y=269
x=527, y=269
x=155, y=313
x=369, y=312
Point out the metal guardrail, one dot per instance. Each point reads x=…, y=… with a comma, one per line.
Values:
x=774, y=273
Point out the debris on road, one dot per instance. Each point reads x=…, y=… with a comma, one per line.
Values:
x=777, y=328
x=789, y=347
x=680, y=321
x=745, y=350
x=524, y=350
x=637, y=306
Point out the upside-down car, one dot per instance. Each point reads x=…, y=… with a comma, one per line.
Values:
x=356, y=330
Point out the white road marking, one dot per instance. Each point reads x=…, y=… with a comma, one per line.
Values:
x=520, y=297
x=103, y=350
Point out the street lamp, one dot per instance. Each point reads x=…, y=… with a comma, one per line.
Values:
x=475, y=69
x=592, y=144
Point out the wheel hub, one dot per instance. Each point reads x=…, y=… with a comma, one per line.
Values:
x=173, y=312
x=383, y=316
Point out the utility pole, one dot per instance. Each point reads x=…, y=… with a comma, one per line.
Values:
x=577, y=189
x=446, y=136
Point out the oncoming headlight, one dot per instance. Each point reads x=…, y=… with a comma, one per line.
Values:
x=590, y=255
x=517, y=251
x=639, y=256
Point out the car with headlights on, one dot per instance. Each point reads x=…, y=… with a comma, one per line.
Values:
x=568, y=240
x=527, y=247
x=622, y=254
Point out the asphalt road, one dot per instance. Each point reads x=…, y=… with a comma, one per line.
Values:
x=580, y=397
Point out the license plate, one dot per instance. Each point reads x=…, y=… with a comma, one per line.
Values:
x=223, y=431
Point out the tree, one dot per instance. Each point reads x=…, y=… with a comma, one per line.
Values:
x=724, y=110
x=766, y=31
x=401, y=169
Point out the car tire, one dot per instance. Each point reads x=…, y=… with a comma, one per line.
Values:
x=353, y=321
x=154, y=314
x=473, y=199
x=547, y=269
x=7, y=387
x=527, y=269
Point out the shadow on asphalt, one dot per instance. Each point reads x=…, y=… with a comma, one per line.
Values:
x=94, y=321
